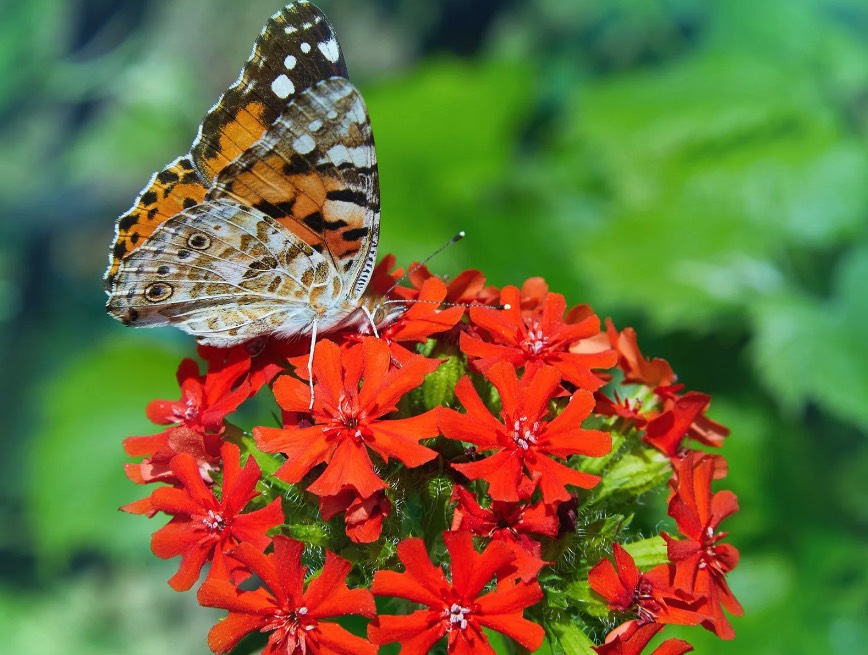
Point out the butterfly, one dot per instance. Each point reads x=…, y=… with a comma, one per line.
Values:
x=270, y=224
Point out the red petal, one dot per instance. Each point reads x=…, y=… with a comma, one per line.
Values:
x=226, y=634
x=328, y=595
x=291, y=394
x=223, y=594
x=422, y=582
x=554, y=476
x=283, y=584
x=332, y=638
x=502, y=471
x=252, y=526
x=417, y=632
x=349, y=466
x=470, y=570
x=397, y=438
x=239, y=485
x=304, y=448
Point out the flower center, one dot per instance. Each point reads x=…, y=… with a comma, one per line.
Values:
x=214, y=521
x=646, y=605
x=289, y=626
x=536, y=341
x=457, y=616
x=188, y=414
x=524, y=433
x=350, y=420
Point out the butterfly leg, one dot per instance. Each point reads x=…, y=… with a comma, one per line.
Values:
x=310, y=363
x=371, y=319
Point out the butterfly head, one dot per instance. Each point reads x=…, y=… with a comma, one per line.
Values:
x=376, y=311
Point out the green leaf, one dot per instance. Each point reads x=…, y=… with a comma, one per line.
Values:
x=648, y=553
x=702, y=172
x=581, y=596
x=798, y=342
x=637, y=472
x=570, y=637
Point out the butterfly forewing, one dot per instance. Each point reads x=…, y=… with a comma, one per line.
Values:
x=170, y=191
x=296, y=49
x=315, y=172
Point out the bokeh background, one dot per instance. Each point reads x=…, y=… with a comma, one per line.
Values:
x=695, y=168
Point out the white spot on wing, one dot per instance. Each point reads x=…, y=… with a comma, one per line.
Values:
x=289, y=62
x=305, y=47
x=304, y=144
x=358, y=156
x=282, y=86
x=330, y=50
x=290, y=29
x=315, y=125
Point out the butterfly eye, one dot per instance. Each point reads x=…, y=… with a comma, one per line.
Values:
x=199, y=241
x=158, y=291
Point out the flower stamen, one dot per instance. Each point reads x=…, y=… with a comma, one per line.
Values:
x=457, y=616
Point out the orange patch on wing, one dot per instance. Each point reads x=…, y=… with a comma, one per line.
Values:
x=172, y=190
x=236, y=136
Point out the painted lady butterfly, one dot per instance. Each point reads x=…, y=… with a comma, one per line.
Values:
x=270, y=224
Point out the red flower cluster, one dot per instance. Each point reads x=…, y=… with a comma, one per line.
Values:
x=477, y=438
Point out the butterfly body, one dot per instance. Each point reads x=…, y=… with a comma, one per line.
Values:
x=265, y=228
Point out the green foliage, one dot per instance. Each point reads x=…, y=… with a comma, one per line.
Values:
x=85, y=413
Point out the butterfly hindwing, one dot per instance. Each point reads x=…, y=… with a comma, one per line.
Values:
x=296, y=49
x=222, y=272
x=315, y=172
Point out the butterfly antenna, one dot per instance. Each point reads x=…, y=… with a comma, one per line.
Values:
x=451, y=241
x=415, y=301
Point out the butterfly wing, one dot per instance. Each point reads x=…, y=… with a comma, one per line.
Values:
x=315, y=172
x=224, y=273
x=296, y=49
x=170, y=191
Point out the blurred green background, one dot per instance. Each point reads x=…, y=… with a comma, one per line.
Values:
x=695, y=168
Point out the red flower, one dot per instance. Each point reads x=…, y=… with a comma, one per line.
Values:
x=649, y=596
x=205, y=448
x=534, y=291
x=512, y=523
x=701, y=563
x=637, y=369
x=204, y=528
x=292, y=615
x=680, y=417
x=354, y=389
x=632, y=637
x=524, y=444
x=667, y=431
x=540, y=337
x=363, y=517
x=205, y=400
x=625, y=408
x=693, y=405
x=455, y=609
